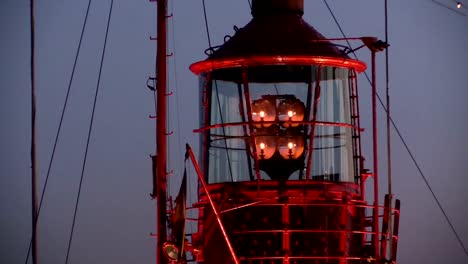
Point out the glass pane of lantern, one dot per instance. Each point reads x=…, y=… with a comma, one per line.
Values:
x=228, y=155
x=334, y=96
x=228, y=150
x=332, y=154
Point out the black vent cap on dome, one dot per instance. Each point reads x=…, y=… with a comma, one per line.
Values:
x=272, y=7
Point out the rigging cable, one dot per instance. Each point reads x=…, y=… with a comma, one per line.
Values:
x=89, y=131
x=451, y=8
x=33, y=139
x=179, y=136
x=44, y=188
x=216, y=88
x=176, y=95
x=404, y=142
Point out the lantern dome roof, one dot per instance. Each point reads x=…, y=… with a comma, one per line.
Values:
x=279, y=38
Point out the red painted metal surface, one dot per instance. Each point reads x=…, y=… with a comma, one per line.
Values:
x=212, y=64
x=161, y=145
x=314, y=118
x=213, y=207
x=319, y=123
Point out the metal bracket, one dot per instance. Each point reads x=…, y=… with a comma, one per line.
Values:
x=151, y=87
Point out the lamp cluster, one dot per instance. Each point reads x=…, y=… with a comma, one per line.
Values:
x=277, y=123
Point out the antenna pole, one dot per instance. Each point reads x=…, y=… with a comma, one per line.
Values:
x=389, y=149
x=161, y=153
x=375, y=227
x=33, y=141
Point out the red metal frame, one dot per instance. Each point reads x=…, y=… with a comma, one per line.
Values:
x=320, y=123
x=314, y=119
x=250, y=124
x=213, y=207
x=214, y=193
x=213, y=64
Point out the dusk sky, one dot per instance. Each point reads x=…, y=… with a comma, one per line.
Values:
x=429, y=89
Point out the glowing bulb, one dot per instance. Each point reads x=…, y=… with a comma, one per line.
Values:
x=291, y=147
x=265, y=146
x=459, y=5
x=264, y=112
x=291, y=109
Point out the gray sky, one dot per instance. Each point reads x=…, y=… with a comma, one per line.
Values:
x=429, y=63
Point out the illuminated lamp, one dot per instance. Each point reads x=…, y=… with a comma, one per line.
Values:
x=171, y=251
x=263, y=110
x=459, y=5
x=291, y=147
x=265, y=146
x=291, y=110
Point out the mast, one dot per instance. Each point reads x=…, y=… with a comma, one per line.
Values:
x=161, y=72
x=33, y=141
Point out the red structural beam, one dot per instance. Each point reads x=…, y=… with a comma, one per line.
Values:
x=213, y=207
x=319, y=123
x=213, y=64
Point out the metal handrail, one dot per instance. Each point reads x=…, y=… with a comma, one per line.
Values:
x=319, y=123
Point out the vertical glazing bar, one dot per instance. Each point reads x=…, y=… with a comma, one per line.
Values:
x=244, y=129
x=249, y=116
x=375, y=227
x=206, y=105
x=161, y=73
x=213, y=207
x=314, y=119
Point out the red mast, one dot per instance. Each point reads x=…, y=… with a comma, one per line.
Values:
x=161, y=116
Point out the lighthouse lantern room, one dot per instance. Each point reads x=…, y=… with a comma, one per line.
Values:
x=283, y=173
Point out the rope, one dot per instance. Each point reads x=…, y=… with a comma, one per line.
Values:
x=89, y=132
x=44, y=188
x=406, y=145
